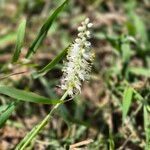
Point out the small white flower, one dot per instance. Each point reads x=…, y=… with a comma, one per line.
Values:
x=81, y=28
x=90, y=25
x=87, y=20
x=88, y=34
x=78, y=65
x=87, y=44
x=78, y=40
x=80, y=35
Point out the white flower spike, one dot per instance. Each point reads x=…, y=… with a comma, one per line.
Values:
x=78, y=65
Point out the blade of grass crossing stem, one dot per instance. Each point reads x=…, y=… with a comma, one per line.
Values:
x=127, y=97
x=6, y=114
x=26, y=96
x=20, y=40
x=146, y=127
x=44, y=29
x=33, y=133
x=50, y=65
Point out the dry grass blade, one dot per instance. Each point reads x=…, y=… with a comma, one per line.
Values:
x=82, y=143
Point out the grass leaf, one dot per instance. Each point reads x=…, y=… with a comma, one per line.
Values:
x=6, y=39
x=25, y=96
x=44, y=29
x=6, y=114
x=126, y=51
x=20, y=39
x=50, y=65
x=127, y=97
x=146, y=127
x=140, y=71
x=3, y=108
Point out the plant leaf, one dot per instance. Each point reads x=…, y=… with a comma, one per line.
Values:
x=20, y=39
x=50, y=65
x=6, y=114
x=127, y=97
x=126, y=51
x=9, y=38
x=44, y=29
x=3, y=108
x=140, y=71
x=25, y=96
x=146, y=127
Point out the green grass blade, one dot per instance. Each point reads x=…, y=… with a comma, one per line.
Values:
x=140, y=27
x=25, y=96
x=127, y=97
x=6, y=114
x=140, y=71
x=146, y=127
x=111, y=142
x=44, y=29
x=20, y=40
x=50, y=65
x=33, y=133
x=126, y=51
x=3, y=108
x=9, y=38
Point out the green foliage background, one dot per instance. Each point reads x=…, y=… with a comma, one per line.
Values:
x=113, y=108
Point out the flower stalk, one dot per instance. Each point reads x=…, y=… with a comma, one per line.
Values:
x=32, y=134
x=76, y=69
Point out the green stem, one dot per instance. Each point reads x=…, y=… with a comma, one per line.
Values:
x=29, y=137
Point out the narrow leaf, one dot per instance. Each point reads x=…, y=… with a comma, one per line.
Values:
x=3, y=108
x=6, y=114
x=51, y=65
x=146, y=127
x=44, y=29
x=140, y=28
x=20, y=40
x=126, y=51
x=127, y=97
x=25, y=96
x=7, y=39
x=140, y=71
